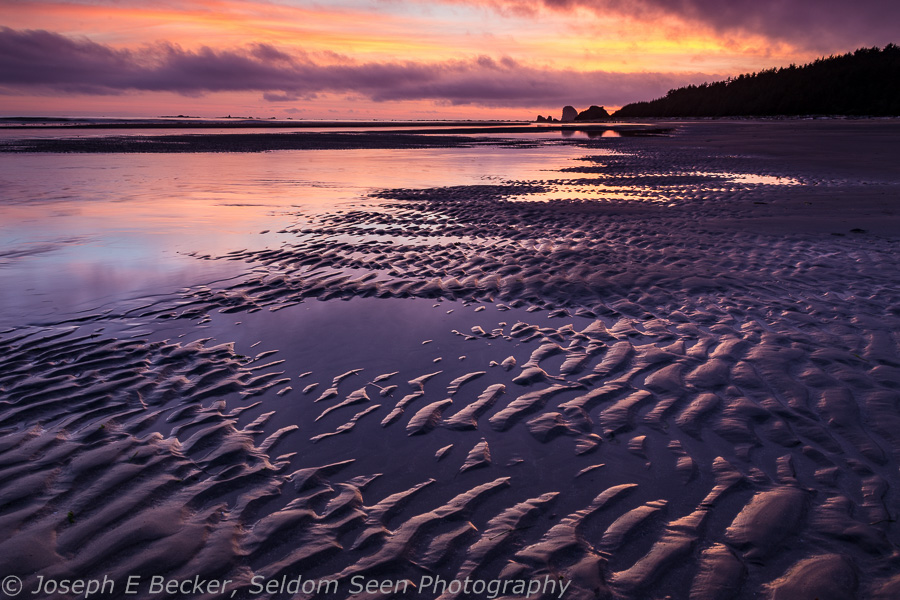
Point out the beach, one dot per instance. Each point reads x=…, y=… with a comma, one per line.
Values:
x=651, y=360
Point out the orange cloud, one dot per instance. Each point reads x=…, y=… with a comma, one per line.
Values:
x=230, y=22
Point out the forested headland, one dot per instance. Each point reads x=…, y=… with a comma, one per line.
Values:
x=861, y=83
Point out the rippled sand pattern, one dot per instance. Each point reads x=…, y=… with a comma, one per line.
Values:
x=635, y=397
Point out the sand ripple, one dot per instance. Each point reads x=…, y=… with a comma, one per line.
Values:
x=634, y=397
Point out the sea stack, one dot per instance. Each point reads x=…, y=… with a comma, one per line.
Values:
x=568, y=114
x=594, y=113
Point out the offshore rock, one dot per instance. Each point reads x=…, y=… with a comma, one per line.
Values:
x=594, y=113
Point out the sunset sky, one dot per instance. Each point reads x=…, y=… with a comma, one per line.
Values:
x=401, y=58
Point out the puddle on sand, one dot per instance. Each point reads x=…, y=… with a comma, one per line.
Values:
x=647, y=193
x=755, y=179
x=582, y=192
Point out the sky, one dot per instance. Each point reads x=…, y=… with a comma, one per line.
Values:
x=402, y=59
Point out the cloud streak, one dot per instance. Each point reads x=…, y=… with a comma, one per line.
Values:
x=36, y=60
x=818, y=25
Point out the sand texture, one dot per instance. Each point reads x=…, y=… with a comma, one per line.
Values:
x=669, y=369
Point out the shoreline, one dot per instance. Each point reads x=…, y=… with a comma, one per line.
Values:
x=226, y=123
x=262, y=142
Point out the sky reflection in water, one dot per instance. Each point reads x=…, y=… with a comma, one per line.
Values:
x=82, y=231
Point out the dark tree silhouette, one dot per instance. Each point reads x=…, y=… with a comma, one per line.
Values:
x=864, y=83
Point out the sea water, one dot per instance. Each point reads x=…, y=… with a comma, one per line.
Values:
x=80, y=232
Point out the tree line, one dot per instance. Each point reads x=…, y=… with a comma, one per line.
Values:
x=864, y=83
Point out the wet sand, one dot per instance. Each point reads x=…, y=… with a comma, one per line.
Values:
x=679, y=379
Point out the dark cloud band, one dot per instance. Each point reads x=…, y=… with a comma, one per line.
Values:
x=823, y=26
x=42, y=60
